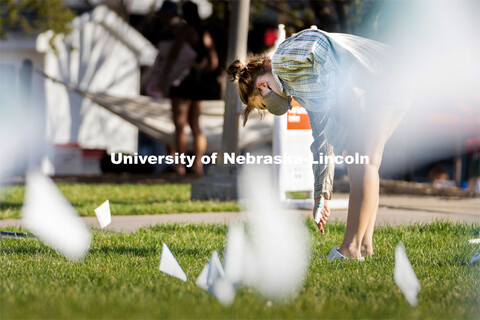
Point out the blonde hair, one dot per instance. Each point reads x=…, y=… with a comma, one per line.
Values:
x=247, y=75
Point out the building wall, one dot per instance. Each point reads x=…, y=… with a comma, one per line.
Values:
x=22, y=107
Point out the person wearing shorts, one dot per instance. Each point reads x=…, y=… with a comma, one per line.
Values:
x=342, y=82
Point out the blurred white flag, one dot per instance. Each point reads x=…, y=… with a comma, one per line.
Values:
x=278, y=251
x=405, y=276
x=212, y=279
x=235, y=254
x=48, y=215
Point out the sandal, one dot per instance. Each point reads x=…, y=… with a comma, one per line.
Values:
x=335, y=254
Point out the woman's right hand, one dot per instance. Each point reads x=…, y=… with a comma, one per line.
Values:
x=325, y=213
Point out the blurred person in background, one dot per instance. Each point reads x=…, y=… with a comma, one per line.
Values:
x=183, y=72
x=439, y=177
x=197, y=86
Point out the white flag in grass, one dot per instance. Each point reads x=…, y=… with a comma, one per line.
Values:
x=52, y=219
x=215, y=269
x=278, y=247
x=211, y=272
x=224, y=291
x=202, y=280
x=170, y=265
x=103, y=214
x=475, y=258
x=212, y=279
x=405, y=276
x=236, y=254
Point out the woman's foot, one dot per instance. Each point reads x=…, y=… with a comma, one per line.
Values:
x=335, y=254
x=350, y=251
x=197, y=168
x=180, y=169
x=367, y=250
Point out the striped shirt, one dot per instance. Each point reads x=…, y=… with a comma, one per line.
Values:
x=312, y=66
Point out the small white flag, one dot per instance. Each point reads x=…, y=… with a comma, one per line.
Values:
x=212, y=271
x=170, y=265
x=278, y=245
x=215, y=269
x=475, y=258
x=235, y=254
x=52, y=219
x=202, y=280
x=103, y=214
x=223, y=290
x=212, y=279
x=405, y=276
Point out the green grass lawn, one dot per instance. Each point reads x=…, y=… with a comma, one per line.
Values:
x=119, y=277
x=125, y=199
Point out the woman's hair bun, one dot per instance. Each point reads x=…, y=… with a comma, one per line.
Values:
x=235, y=69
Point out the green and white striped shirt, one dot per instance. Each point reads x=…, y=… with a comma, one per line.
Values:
x=311, y=66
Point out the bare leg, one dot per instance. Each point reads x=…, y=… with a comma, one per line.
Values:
x=363, y=200
x=367, y=241
x=180, y=113
x=199, y=139
x=367, y=137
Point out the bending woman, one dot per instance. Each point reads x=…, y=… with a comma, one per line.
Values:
x=341, y=81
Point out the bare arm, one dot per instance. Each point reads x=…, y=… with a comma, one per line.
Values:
x=323, y=172
x=211, y=63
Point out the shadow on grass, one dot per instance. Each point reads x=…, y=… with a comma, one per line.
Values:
x=121, y=250
x=178, y=227
x=144, y=251
x=27, y=250
x=140, y=251
x=95, y=204
x=10, y=205
x=146, y=202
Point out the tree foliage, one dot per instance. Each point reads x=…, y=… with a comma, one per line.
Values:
x=34, y=16
x=328, y=15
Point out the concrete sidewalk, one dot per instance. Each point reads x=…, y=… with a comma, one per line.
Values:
x=394, y=210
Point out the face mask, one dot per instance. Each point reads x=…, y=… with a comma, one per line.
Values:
x=275, y=103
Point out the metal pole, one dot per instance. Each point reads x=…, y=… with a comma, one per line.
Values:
x=457, y=162
x=237, y=49
x=222, y=183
